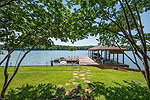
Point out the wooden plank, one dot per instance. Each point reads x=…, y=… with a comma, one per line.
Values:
x=86, y=61
x=116, y=52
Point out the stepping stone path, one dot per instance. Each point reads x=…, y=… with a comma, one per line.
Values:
x=79, y=73
x=82, y=74
x=66, y=93
x=83, y=78
x=60, y=85
x=75, y=83
x=89, y=75
x=87, y=81
x=87, y=91
x=77, y=69
x=72, y=79
x=76, y=76
x=67, y=84
x=74, y=73
x=88, y=72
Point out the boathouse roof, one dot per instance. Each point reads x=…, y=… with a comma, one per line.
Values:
x=101, y=47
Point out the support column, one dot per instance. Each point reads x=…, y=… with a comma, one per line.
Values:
x=101, y=54
x=113, y=56
x=98, y=55
x=106, y=54
x=117, y=58
x=92, y=55
x=109, y=55
x=123, y=58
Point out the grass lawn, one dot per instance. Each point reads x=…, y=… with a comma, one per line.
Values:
x=62, y=74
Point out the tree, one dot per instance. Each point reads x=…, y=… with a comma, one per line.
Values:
x=27, y=24
x=118, y=22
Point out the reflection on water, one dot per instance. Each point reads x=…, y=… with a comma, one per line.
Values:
x=44, y=57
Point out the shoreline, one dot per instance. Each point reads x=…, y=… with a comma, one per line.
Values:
x=101, y=67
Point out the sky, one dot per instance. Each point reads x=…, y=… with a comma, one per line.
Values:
x=85, y=42
x=92, y=40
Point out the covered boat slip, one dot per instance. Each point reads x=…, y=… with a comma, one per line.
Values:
x=107, y=55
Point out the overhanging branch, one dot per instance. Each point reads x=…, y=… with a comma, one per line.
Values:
x=6, y=3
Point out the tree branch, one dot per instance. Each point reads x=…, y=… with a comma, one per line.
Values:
x=132, y=60
x=140, y=26
x=16, y=70
x=14, y=48
x=120, y=26
x=6, y=3
x=133, y=43
x=127, y=21
x=7, y=62
x=136, y=25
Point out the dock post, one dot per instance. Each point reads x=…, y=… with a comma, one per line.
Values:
x=10, y=64
x=117, y=58
x=123, y=58
x=106, y=54
x=92, y=55
x=113, y=56
x=51, y=62
x=109, y=55
x=98, y=56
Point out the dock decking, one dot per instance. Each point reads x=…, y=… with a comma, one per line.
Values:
x=86, y=61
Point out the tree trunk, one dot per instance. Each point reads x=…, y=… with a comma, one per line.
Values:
x=2, y=97
x=15, y=72
x=147, y=72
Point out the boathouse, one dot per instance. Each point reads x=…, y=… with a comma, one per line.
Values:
x=107, y=55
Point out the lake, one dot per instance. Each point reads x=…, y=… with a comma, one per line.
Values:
x=44, y=57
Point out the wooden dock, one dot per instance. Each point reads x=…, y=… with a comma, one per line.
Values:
x=87, y=61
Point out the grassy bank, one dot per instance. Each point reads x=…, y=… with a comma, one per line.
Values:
x=62, y=75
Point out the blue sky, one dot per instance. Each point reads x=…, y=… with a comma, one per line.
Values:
x=92, y=40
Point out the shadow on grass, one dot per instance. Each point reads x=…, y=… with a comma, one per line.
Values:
x=130, y=91
x=46, y=92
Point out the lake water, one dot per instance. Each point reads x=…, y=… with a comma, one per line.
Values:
x=44, y=57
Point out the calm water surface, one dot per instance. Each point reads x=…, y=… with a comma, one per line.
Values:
x=44, y=56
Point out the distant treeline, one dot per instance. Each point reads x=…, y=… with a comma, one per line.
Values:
x=56, y=47
x=71, y=48
x=129, y=47
x=62, y=47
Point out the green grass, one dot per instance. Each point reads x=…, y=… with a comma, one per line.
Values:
x=55, y=74
x=109, y=76
x=38, y=75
